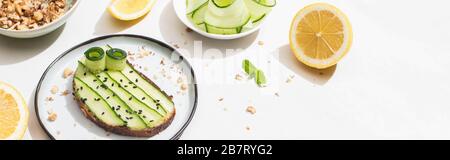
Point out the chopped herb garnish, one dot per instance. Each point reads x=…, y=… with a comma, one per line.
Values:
x=254, y=72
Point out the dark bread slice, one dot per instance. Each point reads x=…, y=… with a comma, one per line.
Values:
x=123, y=130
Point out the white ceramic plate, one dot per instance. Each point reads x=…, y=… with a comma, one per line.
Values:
x=180, y=10
x=71, y=123
x=73, y=4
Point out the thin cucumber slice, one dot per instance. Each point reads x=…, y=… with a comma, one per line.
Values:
x=96, y=104
x=198, y=16
x=129, y=85
x=224, y=18
x=95, y=59
x=259, y=9
x=193, y=5
x=223, y=31
x=134, y=122
x=234, y=9
x=150, y=116
x=266, y=3
x=223, y=3
x=151, y=89
x=116, y=59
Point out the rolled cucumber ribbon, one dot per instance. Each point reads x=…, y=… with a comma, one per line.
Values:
x=116, y=59
x=95, y=59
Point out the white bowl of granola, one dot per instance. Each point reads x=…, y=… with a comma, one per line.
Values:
x=34, y=18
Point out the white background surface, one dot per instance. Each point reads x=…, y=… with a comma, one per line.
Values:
x=394, y=83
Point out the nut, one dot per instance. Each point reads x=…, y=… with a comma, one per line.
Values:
x=67, y=73
x=29, y=14
x=38, y=16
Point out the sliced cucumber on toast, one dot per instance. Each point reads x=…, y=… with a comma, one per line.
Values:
x=122, y=100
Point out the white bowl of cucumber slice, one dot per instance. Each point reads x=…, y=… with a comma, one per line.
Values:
x=223, y=19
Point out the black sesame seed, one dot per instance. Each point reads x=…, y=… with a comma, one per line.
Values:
x=103, y=113
x=98, y=76
x=81, y=88
x=105, y=80
x=95, y=80
x=126, y=86
x=130, y=82
x=131, y=117
x=97, y=87
x=151, y=121
x=136, y=80
x=107, y=97
x=130, y=98
x=84, y=73
x=134, y=87
x=131, y=71
x=104, y=86
x=143, y=98
x=121, y=80
x=144, y=116
x=113, y=108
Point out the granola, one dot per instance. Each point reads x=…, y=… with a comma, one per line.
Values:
x=29, y=14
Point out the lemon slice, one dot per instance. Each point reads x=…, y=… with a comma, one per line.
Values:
x=130, y=9
x=13, y=113
x=320, y=35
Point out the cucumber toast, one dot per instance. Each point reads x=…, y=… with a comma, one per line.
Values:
x=117, y=97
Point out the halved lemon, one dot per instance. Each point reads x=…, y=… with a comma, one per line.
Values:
x=13, y=113
x=130, y=9
x=320, y=35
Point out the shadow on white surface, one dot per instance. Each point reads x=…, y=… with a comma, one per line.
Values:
x=315, y=76
x=175, y=32
x=34, y=128
x=18, y=50
x=109, y=25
